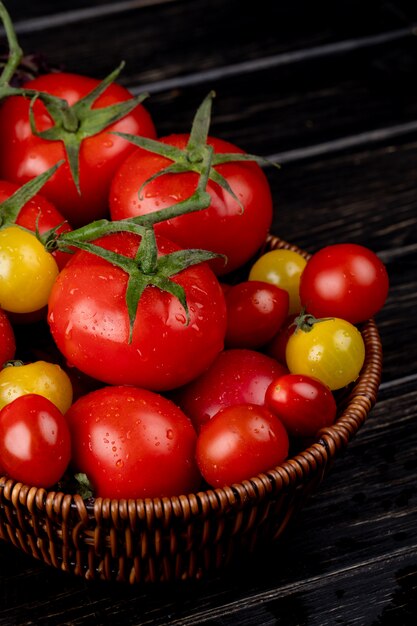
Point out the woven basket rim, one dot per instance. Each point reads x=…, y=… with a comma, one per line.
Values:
x=293, y=472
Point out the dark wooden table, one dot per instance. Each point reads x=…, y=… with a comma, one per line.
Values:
x=329, y=90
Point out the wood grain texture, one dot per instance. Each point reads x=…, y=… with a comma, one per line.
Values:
x=328, y=89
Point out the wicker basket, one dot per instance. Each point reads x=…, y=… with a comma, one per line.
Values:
x=187, y=536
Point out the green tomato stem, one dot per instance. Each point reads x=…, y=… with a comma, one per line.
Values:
x=15, y=51
x=197, y=156
x=306, y=321
x=11, y=207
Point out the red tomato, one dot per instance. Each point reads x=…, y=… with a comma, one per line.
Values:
x=89, y=320
x=276, y=348
x=24, y=155
x=235, y=377
x=255, y=312
x=35, y=443
x=133, y=443
x=7, y=339
x=344, y=280
x=303, y=404
x=38, y=215
x=224, y=227
x=240, y=442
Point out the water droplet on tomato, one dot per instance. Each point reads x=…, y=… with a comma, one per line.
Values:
x=180, y=318
x=170, y=434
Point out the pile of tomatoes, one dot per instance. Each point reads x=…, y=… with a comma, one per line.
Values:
x=130, y=250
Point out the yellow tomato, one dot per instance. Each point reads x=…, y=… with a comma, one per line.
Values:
x=43, y=378
x=27, y=271
x=282, y=268
x=332, y=350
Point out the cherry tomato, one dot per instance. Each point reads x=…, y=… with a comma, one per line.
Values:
x=133, y=443
x=224, y=227
x=35, y=443
x=240, y=442
x=27, y=271
x=344, y=280
x=24, y=155
x=41, y=378
x=235, y=377
x=7, y=339
x=331, y=350
x=276, y=348
x=302, y=403
x=89, y=320
x=282, y=268
x=255, y=312
x=38, y=215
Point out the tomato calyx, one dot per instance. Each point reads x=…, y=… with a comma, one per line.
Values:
x=71, y=124
x=306, y=322
x=83, y=486
x=145, y=269
x=11, y=207
x=76, y=483
x=197, y=156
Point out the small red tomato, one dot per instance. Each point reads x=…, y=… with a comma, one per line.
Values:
x=255, y=312
x=344, y=280
x=7, y=339
x=35, y=443
x=235, y=377
x=302, y=403
x=240, y=442
x=38, y=215
x=277, y=346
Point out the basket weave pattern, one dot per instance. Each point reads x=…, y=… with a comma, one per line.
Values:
x=187, y=536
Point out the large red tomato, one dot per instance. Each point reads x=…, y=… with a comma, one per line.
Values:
x=133, y=443
x=24, y=155
x=89, y=320
x=225, y=227
x=235, y=377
